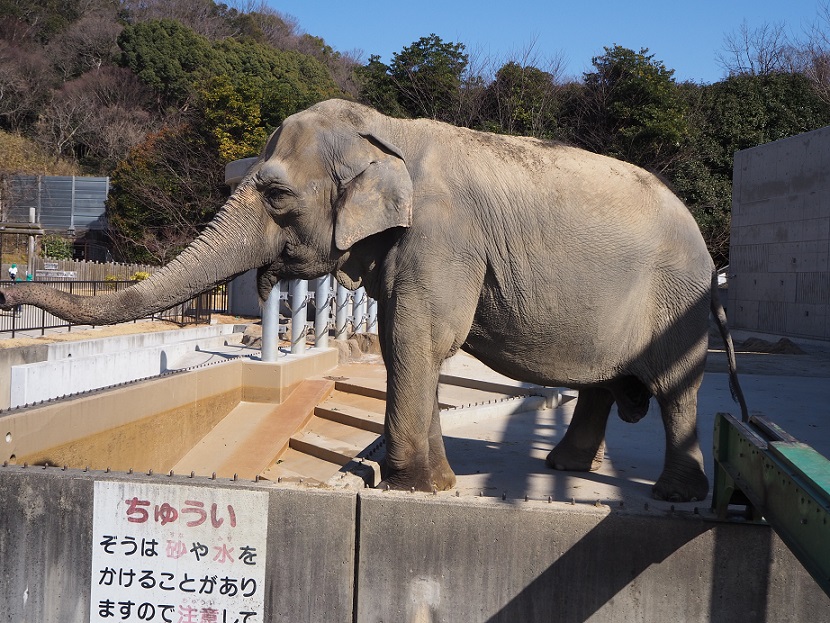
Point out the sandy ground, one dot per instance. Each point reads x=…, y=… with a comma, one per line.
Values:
x=769, y=355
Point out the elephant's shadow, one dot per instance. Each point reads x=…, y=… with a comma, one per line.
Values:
x=506, y=458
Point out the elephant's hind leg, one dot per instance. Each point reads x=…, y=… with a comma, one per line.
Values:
x=683, y=478
x=583, y=446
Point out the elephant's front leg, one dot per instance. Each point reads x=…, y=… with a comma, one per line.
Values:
x=417, y=334
x=442, y=475
x=415, y=456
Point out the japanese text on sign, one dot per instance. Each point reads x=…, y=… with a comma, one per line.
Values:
x=173, y=554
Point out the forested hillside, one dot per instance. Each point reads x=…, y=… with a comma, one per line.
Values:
x=159, y=95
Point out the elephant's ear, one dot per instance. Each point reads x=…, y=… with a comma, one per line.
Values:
x=376, y=199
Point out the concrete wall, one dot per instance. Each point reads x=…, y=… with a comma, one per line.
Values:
x=243, y=299
x=76, y=367
x=374, y=556
x=780, y=241
x=11, y=357
x=132, y=342
x=46, y=548
x=481, y=559
x=149, y=425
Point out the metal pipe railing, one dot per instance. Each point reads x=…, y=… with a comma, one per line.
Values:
x=322, y=311
x=29, y=318
x=341, y=321
x=271, y=325
x=298, y=292
x=351, y=312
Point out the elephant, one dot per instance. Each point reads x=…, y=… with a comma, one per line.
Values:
x=550, y=264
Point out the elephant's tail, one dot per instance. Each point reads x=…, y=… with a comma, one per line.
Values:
x=720, y=318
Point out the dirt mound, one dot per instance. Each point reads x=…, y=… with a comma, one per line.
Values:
x=757, y=345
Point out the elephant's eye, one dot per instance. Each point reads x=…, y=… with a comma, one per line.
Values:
x=276, y=193
x=279, y=200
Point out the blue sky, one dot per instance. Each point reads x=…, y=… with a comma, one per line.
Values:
x=686, y=36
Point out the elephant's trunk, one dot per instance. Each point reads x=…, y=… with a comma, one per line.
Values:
x=233, y=242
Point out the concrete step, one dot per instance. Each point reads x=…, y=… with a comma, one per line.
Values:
x=335, y=438
x=295, y=466
x=344, y=430
x=376, y=388
x=332, y=441
x=497, y=390
x=358, y=401
x=340, y=411
x=371, y=388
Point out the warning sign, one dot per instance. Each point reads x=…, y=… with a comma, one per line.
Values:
x=178, y=554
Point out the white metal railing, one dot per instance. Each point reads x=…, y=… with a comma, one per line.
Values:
x=346, y=311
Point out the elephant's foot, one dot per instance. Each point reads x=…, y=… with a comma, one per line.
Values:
x=689, y=485
x=437, y=478
x=442, y=476
x=568, y=458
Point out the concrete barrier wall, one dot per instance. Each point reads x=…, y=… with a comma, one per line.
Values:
x=780, y=237
x=92, y=364
x=52, y=351
x=424, y=558
x=135, y=341
x=374, y=556
x=149, y=425
x=10, y=357
x=141, y=426
x=46, y=547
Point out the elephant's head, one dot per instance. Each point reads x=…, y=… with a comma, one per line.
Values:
x=326, y=180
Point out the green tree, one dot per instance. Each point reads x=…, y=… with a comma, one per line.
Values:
x=740, y=112
x=522, y=100
x=630, y=109
x=167, y=56
x=56, y=247
x=377, y=88
x=163, y=194
x=288, y=81
x=234, y=114
x=428, y=77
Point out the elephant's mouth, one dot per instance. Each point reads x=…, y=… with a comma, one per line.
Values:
x=267, y=279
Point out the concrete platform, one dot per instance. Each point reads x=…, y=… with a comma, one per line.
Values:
x=502, y=455
x=477, y=553
x=496, y=453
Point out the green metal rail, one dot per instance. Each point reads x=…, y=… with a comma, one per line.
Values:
x=770, y=476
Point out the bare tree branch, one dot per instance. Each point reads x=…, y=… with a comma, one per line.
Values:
x=757, y=51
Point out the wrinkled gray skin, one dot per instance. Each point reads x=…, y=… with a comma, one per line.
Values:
x=550, y=264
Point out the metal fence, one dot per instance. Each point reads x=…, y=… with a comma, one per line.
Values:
x=197, y=310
